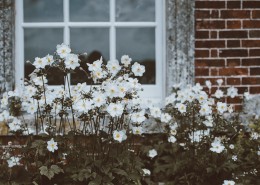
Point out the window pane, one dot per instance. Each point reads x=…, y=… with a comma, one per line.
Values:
x=94, y=41
x=38, y=42
x=139, y=44
x=89, y=11
x=43, y=11
x=135, y=10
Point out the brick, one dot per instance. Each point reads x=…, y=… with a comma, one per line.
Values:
x=210, y=44
x=202, y=34
x=235, y=14
x=242, y=89
x=233, y=43
x=233, y=4
x=201, y=72
x=214, y=53
x=238, y=108
x=233, y=34
x=210, y=63
x=236, y=100
x=256, y=14
x=250, y=81
x=208, y=24
x=251, y=62
x=233, y=24
x=251, y=24
x=233, y=81
x=206, y=14
x=255, y=71
x=254, y=33
x=233, y=71
x=214, y=72
x=233, y=53
x=254, y=52
x=250, y=43
x=209, y=4
x=251, y=4
x=213, y=34
x=201, y=53
x=233, y=62
x=254, y=90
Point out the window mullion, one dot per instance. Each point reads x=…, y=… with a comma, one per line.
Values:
x=112, y=33
x=66, y=37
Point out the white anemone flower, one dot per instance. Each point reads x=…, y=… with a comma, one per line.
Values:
x=138, y=117
x=146, y=172
x=99, y=99
x=96, y=65
x=84, y=105
x=217, y=146
x=219, y=82
x=40, y=62
x=137, y=130
x=113, y=66
x=172, y=139
x=32, y=108
x=232, y=92
x=156, y=112
x=221, y=107
x=126, y=60
x=49, y=59
x=138, y=69
x=13, y=161
x=119, y=135
x=165, y=117
x=152, y=153
x=112, y=90
x=40, y=80
x=72, y=61
x=63, y=50
x=228, y=182
x=115, y=109
x=52, y=145
x=205, y=110
x=181, y=107
x=15, y=125
x=208, y=84
x=219, y=93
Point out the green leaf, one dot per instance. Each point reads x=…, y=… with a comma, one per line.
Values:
x=56, y=169
x=120, y=172
x=46, y=172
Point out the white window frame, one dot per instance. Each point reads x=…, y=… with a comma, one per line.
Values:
x=153, y=91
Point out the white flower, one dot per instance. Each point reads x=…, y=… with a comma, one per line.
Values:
x=96, y=65
x=170, y=99
x=40, y=80
x=217, y=146
x=4, y=115
x=112, y=90
x=40, y=62
x=208, y=84
x=219, y=93
x=15, y=125
x=247, y=96
x=138, y=69
x=173, y=130
x=234, y=157
x=32, y=108
x=230, y=109
x=72, y=61
x=99, y=99
x=137, y=130
x=155, y=112
x=152, y=153
x=171, y=139
x=119, y=135
x=13, y=161
x=228, y=182
x=222, y=107
x=181, y=107
x=202, y=96
x=209, y=121
x=254, y=135
x=232, y=92
x=63, y=50
x=205, y=110
x=165, y=117
x=52, y=145
x=84, y=105
x=146, y=172
x=126, y=60
x=122, y=89
x=49, y=59
x=113, y=66
x=231, y=146
x=133, y=83
x=138, y=117
x=30, y=90
x=220, y=81
x=98, y=74
x=115, y=109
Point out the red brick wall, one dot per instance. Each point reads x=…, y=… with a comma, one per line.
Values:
x=227, y=43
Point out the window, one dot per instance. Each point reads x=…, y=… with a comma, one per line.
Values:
x=107, y=28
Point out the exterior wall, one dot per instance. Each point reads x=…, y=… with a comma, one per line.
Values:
x=6, y=45
x=227, y=42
